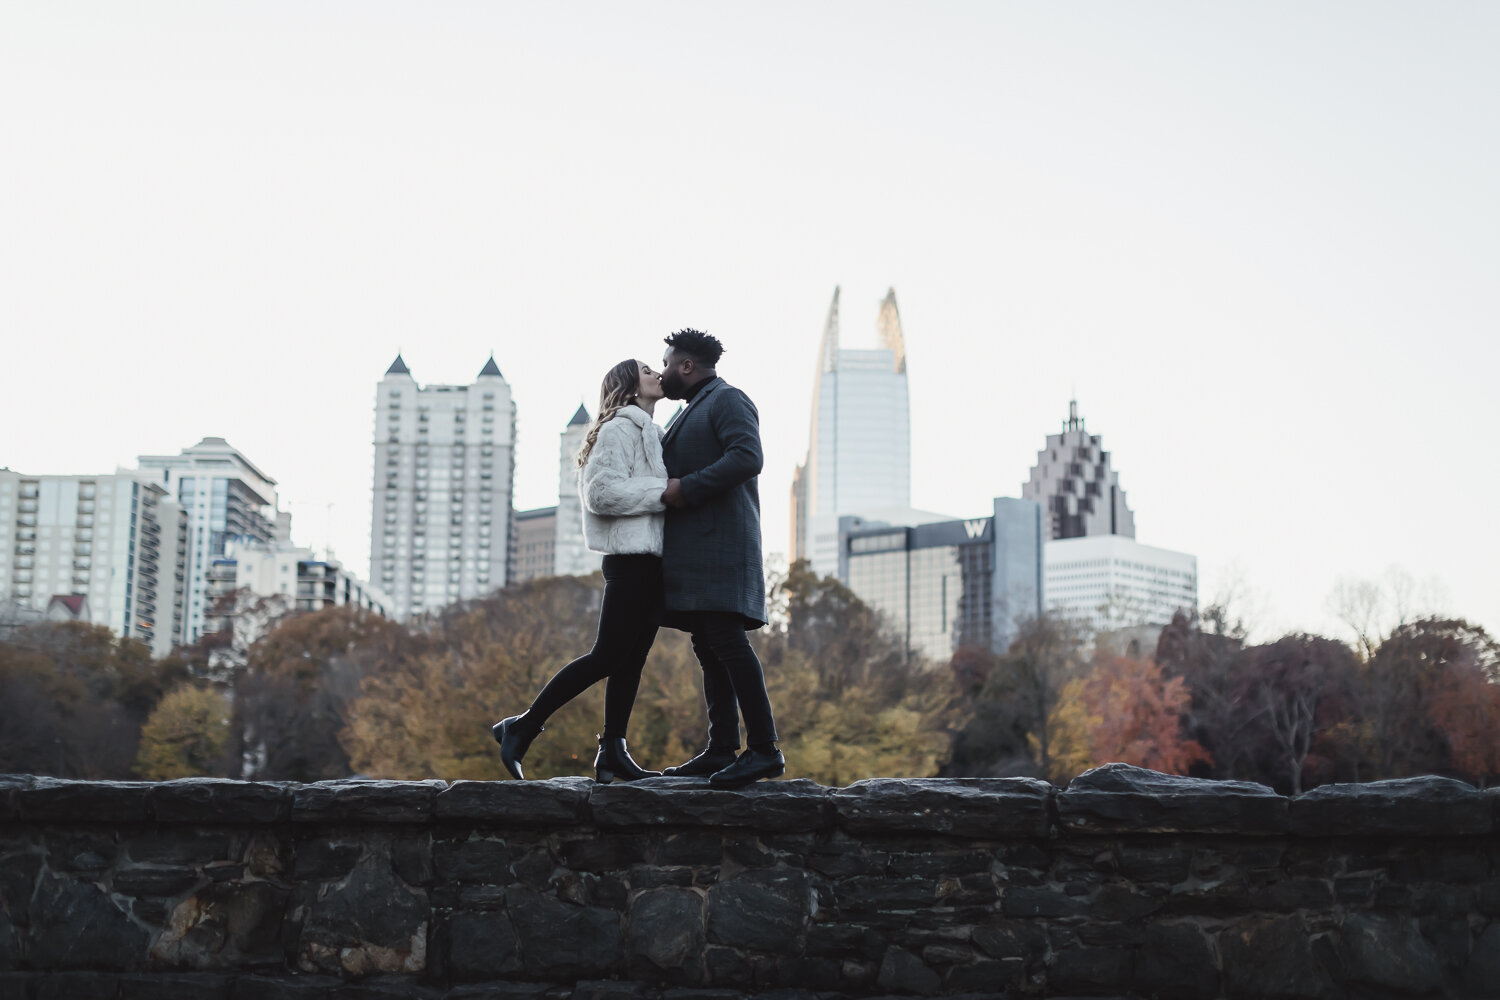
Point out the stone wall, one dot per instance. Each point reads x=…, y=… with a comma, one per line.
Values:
x=1129, y=883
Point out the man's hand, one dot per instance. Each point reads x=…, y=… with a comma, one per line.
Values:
x=672, y=495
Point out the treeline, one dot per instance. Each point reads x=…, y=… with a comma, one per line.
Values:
x=1303, y=710
x=342, y=692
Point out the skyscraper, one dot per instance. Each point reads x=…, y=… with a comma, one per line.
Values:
x=859, y=448
x=571, y=553
x=226, y=497
x=441, y=518
x=1080, y=494
x=115, y=544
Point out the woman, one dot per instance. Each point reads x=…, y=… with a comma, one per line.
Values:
x=621, y=479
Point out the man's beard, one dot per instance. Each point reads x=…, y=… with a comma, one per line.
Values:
x=671, y=386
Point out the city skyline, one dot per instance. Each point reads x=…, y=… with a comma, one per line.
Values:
x=1257, y=254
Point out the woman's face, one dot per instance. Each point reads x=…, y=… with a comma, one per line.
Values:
x=650, y=383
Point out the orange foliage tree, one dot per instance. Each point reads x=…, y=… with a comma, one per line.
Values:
x=1122, y=710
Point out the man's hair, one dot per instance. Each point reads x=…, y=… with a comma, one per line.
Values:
x=697, y=345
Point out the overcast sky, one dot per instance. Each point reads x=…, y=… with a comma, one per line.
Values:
x=1260, y=242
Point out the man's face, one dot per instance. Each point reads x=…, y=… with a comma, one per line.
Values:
x=676, y=368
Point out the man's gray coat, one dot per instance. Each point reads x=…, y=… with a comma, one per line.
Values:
x=711, y=553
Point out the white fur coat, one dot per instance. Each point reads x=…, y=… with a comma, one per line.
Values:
x=621, y=486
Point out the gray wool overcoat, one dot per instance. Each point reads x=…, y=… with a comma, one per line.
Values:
x=711, y=551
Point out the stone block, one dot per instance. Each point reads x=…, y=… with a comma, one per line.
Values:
x=607, y=851
x=1483, y=969
x=220, y=800
x=1167, y=863
x=499, y=991
x=781, y=806
x=16, y=985
x=70, y=851
x=225, y=926
x=283, y=987
x=1389, y=952
x=608, y=989
x=1176, y=962
x=1023, y=901
x=872, y=894
x=763, y=910
x=10, y=784
x=556, y=802
x=59, y=800
x=320, y=858
x=987, y=977
x=153, y=881
x=1123, y=798
x=75, y=925
x=477, y=859
x=991, y=808
x=903, y=972
x=367, y=923
x=482, y=945
x=360, y=801
x=691, y=847
x=666, y=929
x=387, y=988
x=77, y=986
x=1426, y=806
x=176, y=985
x=1089, y=970
x=179, y=847
x=1265, y=957
x=1011, y=939
x=560, y=939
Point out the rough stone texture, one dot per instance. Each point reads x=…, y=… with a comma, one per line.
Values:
x=1122, y=797
x=965, y=807
x=1416, y=806
x=1128, y=884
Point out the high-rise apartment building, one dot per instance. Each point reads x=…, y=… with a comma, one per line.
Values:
x=573, y=557
x=947, y=584
x=295, y=575
x=535, y=553
x=859, y=452
x=441, y=518
x=115, y=546
x=1111, y=582
x=225, y=497
x=1076, y=486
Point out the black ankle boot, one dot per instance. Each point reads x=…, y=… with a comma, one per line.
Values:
x=615, y=764
x=514, y=736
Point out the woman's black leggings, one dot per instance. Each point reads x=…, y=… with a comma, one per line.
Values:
x=627, y=628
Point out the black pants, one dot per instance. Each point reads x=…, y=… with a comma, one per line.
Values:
x=627, y=628
x=731, y=675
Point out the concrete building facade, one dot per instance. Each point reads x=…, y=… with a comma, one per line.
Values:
x=1109, y=582
x=295, y=575
x=226, y=497
x=114, y=546
x=947, y=584
x=441, y=518
x=572, y=555
x=535, y=554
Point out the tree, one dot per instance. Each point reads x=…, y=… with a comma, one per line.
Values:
x=1124, y=710
x=1465, y=707
x=1298, y=690
x=291, y=698
x=1208, y=652
x=185, y=736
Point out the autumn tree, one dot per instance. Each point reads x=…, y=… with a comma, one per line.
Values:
x=1297, y=693
x=73, y=697
x=1207, y=651
x=291, y=698
x=186, y=735
x=1124, y=709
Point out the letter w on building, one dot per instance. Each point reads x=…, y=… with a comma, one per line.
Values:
x=975, y=528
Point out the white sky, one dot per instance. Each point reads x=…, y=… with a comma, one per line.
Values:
x=1260, y=241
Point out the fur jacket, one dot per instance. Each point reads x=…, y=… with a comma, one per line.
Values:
x=621, y=486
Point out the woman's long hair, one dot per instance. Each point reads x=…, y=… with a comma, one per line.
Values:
x=620, y=386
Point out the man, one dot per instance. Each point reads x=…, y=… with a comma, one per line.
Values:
x=715, y=587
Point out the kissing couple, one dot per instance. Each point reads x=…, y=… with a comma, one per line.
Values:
x=677, y=516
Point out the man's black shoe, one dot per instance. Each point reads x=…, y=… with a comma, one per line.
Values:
x=751, y=766
x=708, y=762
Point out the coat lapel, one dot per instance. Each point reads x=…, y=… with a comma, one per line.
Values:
x=682, y=414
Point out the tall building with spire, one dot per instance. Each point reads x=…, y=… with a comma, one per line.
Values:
x=1079, y=492
x=441, y=518
x=859, y=446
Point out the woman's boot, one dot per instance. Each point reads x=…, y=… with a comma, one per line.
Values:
x=514, y=736
x=615, y=764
